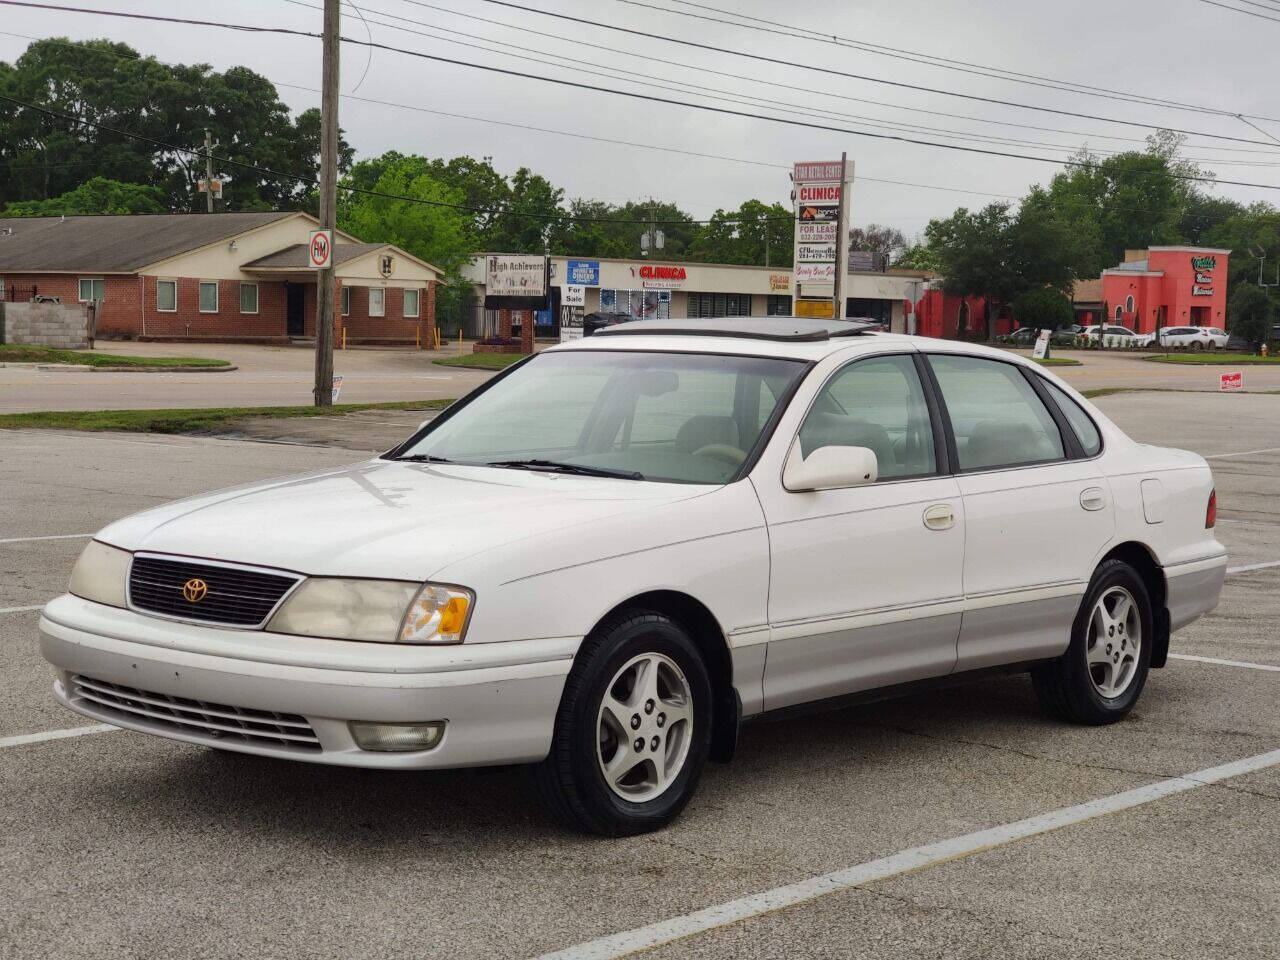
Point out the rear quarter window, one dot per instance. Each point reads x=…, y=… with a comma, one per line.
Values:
x=1082, y=424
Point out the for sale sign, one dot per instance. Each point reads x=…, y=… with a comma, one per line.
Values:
x=320, y=249
x=1231, y=381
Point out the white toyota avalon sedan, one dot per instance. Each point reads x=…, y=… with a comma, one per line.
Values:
x=605, y=559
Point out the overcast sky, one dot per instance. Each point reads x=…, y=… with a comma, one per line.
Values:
x=1182, y=50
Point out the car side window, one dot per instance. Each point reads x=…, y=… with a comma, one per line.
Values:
x=1082, y=424
x=878, y=403
x=997, y=417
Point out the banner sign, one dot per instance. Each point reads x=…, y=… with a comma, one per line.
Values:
x=582, y=273
x=816, y=253
x=515, y=275
x=814, y=273
x=822, y=171
x=573, y=296
x=819, y=214
x=810, y=232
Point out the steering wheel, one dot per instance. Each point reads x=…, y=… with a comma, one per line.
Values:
x=722, y=451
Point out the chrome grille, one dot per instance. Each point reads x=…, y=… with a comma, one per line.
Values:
x=237, y=596
x=217, y=721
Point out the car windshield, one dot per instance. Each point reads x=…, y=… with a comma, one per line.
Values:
x=677, y=417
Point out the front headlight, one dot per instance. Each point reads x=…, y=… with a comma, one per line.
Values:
x=100, y=574
x=380, y=611
x=345, y=609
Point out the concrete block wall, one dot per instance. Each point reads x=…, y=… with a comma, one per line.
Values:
x=62, y=325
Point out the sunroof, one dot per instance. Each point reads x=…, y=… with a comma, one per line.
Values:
x=787, y=329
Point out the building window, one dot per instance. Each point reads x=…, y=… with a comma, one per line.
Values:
x=346, y=301
x=167, y=296
x=1128, y=305
x=377, y=302
x=719, y=304
x=411, y=303
x=248, y=298
x=778, y=305
x=208, y=296
x=641, y=304
x=1119, y=312
x=92, y=289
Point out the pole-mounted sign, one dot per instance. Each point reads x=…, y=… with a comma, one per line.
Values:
x=320, y=249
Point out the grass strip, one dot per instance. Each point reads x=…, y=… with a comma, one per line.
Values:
x=32, y=353
x=188, y=420
x=482, y=361
x=1213, y=359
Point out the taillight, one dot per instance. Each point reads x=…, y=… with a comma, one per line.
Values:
x=1211, y=512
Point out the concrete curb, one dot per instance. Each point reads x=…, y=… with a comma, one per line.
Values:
x=86, y=368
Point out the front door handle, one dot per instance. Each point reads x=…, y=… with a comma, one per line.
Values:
x=940, y=516
x=1093, y=498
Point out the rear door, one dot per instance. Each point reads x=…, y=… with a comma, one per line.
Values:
x=1037, y=510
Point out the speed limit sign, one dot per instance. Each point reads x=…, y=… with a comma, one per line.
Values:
x=320, y=249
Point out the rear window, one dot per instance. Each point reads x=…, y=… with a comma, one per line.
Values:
x=1082, y=424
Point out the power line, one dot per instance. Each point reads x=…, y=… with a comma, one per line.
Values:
x=773, y=27
x=622, y=93
x=856, y=76
x=1251, y=13
x=517, y=126
x=705, y=69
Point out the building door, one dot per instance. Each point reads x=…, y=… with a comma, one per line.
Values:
x=295, y=298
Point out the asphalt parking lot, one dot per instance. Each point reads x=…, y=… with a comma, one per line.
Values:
x=120, y=844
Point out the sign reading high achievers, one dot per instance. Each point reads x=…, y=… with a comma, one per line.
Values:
x=320, y=249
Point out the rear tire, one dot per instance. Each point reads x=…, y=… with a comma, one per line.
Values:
x=1100, y=677
x=638, y=680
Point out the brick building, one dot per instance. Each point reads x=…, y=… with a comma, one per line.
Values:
x=226, y=276
x=1167, y=287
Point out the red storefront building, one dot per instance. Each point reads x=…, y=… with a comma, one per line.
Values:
x=1167, y=287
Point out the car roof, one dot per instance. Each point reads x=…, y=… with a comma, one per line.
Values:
x=789, y=337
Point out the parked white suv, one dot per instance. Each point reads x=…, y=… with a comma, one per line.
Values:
x=1193, y=338
x=606, y=558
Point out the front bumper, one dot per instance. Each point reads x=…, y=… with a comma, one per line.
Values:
x=499, y=699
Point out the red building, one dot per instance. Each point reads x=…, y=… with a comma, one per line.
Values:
x=1166, y=287
x=940, y=314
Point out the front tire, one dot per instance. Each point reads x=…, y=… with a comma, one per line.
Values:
x=633, y=729
x=1101, y=676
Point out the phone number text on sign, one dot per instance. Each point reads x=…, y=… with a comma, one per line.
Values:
x=816, y=232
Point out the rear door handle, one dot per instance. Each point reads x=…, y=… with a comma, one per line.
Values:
x=1093, y=498
x=940, y=516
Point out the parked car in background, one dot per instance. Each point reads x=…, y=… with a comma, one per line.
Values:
x=598, y=320
x=604, y=559
x=1193, y=338
x=1114, y=334
x=1066, y=336
x=1022, y=337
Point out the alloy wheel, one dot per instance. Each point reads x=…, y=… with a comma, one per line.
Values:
x=1114, y=642
x=645, y=726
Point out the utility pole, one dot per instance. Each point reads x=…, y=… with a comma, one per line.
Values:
x=328, y=203
x=208, y=170
x=842, y=241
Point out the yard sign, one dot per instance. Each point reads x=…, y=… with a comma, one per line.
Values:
x=1231, y=381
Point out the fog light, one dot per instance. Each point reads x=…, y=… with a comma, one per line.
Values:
x=396, y=737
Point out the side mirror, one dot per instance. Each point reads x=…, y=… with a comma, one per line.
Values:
x=829, y=468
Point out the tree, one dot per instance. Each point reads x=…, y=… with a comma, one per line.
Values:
x=1043, y=307
x=1251, y=313
x=533, y=220
x=885, y=242
x=96, y=196
x=918, y=256
x=756, y=233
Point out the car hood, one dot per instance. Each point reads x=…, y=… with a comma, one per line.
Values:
x=383, y=518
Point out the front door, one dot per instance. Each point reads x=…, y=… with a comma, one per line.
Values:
x=295, y=299
x=865, y=582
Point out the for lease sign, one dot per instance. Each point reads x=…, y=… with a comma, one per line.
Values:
x=816, y=232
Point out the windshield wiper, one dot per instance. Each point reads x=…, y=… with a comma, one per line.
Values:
x=423, y=458
x=555, y=466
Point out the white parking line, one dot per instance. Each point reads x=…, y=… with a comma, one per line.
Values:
x=38, y=606
x=1243, y=453
x=55, y=735
x=1225, y=663
x=57, y=536
x=1254, y=566
x=917, y=858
